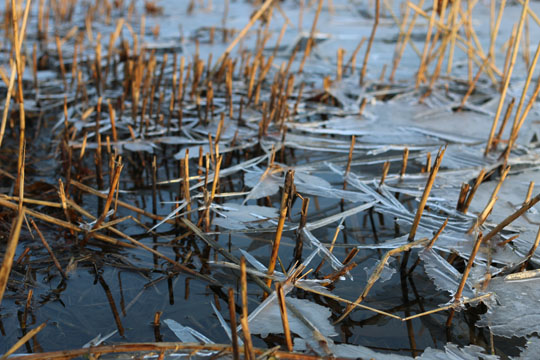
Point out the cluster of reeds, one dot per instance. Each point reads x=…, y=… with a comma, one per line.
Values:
x=157, y=94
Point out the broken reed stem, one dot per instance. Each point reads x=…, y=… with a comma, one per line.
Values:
x=527, y=83
x=303, y=220
x=512, y=217
x=187, y=197
x=206, y=213
x=49, y=250
x=456, y=6
x=404, y=162
x=507, y=77
x=386, y=168
x=531, y=251
x=17, y=43
x=399, y=53
x=285, y=198
x=461, y=286
x=509, y=109
x=23, y=340
x=428, y=246
x=7, y=102
x=352, y=60
x=370, y=42
x=477, y=183
x=244, y=318
x=192, y=348
x=376, y=275
x=517, y=126
x=61, y=61
x=489, y=206
x=425, y=195
x=232, y=316
x=309, y=44
x=284, y=317
x=61, y=223
x=422, y=68
x=11, y=246
x=349, y=161
x=462, y=196
x=138, y=210
x=242, y=33
x=472, y=86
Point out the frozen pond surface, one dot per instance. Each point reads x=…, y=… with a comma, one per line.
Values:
x=141, y=81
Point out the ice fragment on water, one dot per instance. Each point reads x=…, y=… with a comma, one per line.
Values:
x=268, y=319
x=444, y=276
x=515, y=310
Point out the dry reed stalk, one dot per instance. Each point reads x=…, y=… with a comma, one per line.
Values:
x=495, y=31
x=214, y=244
x=477, y=183
x=452, y=306
x=61, y=223
x=336, y=233
x=61, y=61
x=489, y=207
x=187, y=196
x=243, y=32
x=507, y=114
x=309, y=44
x=370, y=42
x=472, y=85
x=248, y=344
x=437, y=234
x=232, y=316
x=425, y=195
x=509, y=219
x=7, y=102
x=477, y=51
x=284, y=318
x=384, y=313
x=49, y=250
x=531, y=251
x=176, y=264
x=299, y=246
x=27, y=309
x=507, y=77
x=462, y=196
x=29, y=335
x=404, y=162
x=156, y=347
x=399, y=53
x=138, y=210
x=507, y=241
x=376, y=274
x=517, y=126
x=339, y=64
x=32, y=201
x=529, y=191
x=9, y=252
x=352, y=60
x=461, y=286
x=527, y=82
x=532, y=14
x=422, y=68
x=437, y=70
x=456, y=5
x=206, y=214
x=17, y=43
x=288, y=193
x=349, y=161
x=386, y=167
